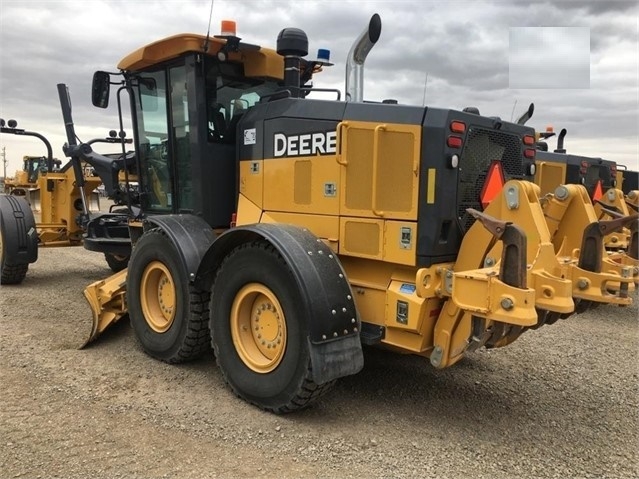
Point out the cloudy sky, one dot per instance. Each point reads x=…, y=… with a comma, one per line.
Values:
x=451, y=54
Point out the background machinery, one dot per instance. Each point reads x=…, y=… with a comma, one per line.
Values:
x=23, y=181
x=597, y=175
x=602, y=181
x=288, y=231
x=49, y=205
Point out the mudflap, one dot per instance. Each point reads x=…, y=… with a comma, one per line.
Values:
x=336, y=359
x=332, y=317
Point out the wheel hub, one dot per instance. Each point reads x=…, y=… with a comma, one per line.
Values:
x=258, y=328
x=158, y=296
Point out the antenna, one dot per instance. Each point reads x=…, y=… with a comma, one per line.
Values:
x=4, y=161
x=512, y=114
x=205, y=46
x=424, y=95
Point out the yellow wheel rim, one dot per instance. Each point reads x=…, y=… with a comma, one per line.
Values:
x=258, y=328
x=157, y=295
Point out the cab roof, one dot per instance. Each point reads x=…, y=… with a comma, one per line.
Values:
x=258, y=62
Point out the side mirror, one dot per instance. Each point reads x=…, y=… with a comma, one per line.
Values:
x=100, y=89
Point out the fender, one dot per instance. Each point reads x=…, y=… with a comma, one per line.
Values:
x=20, y=235
x=332, y=318
x=190, y=235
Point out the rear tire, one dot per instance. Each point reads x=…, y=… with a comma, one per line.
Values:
x=259, y=333
x=11, y=270
x=117, y=262
x=168, y=315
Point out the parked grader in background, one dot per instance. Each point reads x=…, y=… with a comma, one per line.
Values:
x=603, y=181
x=62, y=205
x=288, y=231
x=599, y=180
x=24, y=182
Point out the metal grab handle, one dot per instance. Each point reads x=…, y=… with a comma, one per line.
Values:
x=378, y=130
x=338, y=139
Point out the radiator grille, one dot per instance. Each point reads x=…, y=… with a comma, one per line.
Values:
x=482, y=147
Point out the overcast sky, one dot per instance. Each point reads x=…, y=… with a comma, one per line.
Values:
x=451, y=54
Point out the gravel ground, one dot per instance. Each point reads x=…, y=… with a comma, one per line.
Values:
x=560, y=402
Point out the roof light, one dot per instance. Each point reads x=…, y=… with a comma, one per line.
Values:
x=324, y=57
x=493, y=184
x=598, y=193
x=549, y=128
x=529, y=140
x=457, y=126
x=454, y=142
x=229, y=28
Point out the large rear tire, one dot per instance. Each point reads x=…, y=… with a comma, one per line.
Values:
x=10, y=274
x=17, y=247
x=168, y=315
x=259, y=334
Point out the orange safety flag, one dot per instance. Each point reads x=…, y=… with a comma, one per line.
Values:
x=596, y=196
x=493, y=184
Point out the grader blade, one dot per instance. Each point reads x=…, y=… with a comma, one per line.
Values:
x=107, y=301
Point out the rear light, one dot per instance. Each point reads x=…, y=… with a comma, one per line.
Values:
x=493, y=184
x=454, y=142
x=584, y=164
x=529, y=153
x=529, y=140
x=457, y=126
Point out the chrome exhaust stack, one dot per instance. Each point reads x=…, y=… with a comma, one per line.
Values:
x=357, y=56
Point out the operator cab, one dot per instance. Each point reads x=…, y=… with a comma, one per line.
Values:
x=188, y=93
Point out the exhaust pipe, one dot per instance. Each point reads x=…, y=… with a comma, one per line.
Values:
x=357, y=56
x=560, y=141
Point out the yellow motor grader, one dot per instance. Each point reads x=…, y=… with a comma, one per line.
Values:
x=601, y=180
x=291, y=231
x=24, y=181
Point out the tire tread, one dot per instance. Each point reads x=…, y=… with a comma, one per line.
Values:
x=13, y=274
